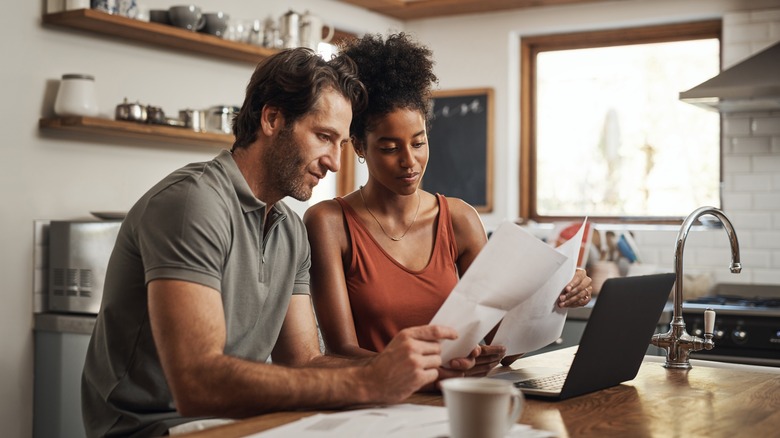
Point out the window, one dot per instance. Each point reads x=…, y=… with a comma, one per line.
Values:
x=603, y=132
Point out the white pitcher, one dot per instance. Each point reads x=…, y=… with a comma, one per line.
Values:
x=312, y=29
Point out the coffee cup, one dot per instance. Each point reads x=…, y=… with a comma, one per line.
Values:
x=216, y=23
x=481, y=407
x=187, y=17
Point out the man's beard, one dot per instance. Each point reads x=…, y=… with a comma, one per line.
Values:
x=287, y=167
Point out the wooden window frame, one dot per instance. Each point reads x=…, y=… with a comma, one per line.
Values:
x=531, y=46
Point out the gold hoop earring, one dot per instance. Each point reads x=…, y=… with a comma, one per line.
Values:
x=361, y=159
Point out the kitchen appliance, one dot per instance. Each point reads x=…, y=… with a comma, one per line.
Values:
x=78, y=257
x=747, y=325
x=751, y=85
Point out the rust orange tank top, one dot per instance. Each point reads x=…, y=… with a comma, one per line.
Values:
x=385, y=296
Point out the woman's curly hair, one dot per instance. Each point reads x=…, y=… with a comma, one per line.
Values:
x=397, y=73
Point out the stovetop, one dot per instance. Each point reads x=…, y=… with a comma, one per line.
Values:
x=734, y=300
x=736, y=305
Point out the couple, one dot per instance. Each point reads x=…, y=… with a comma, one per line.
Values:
x=212, y=275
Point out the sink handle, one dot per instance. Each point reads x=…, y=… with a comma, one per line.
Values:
x=709, y=321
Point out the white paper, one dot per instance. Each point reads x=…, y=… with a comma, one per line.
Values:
x=538, y=321
x=405, y=420
x=511, y=267
x=398, y=421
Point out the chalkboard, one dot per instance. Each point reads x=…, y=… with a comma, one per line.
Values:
x=460, y=144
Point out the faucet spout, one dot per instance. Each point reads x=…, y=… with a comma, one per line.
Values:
x=677, y=342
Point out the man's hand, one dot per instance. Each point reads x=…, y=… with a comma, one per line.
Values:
x=410, y=361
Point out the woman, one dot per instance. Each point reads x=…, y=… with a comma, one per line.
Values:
x=386, y=256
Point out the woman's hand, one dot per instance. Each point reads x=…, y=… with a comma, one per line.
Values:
x=479, y=362
x=577, y=292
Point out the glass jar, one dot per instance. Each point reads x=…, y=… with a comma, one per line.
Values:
x=76, y=96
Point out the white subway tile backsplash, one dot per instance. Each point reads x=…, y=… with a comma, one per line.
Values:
x=766, y=276
x=766, y=163
x=768, y=15
x=726, y=276
x=710, y=256
x=735, y=54
x=737, y=201
x=776, y=182
x=735, y=18
x=748, y=32
x=767, y=201
x=736, y=163
x=751, y=145
x=737, y=126
x=756, y=258
x=766, y=239
x=752, y=182
x=753, y=220
x=776, y=145
x=776, y=259
x=774, y=30
x=765, y=126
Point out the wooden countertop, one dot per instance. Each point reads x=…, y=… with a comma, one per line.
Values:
x=712, y=400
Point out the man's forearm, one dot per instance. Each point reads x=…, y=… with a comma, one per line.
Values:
x=237, y=388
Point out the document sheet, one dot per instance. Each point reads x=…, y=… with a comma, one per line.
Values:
x=509, y=272
x=537, y=321
x=402, y=421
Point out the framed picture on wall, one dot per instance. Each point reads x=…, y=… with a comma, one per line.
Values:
x=460, y=140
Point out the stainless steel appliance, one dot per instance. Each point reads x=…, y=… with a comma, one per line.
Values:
x=78, y=257
x=78, y=253
x=747, y=325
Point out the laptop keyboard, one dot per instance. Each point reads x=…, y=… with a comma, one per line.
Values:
x=553, y=382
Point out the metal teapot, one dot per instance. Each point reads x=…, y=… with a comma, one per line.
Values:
x=289, y=29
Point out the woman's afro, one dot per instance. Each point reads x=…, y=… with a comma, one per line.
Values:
x=397, y=73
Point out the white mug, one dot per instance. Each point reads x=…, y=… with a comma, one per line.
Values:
x=481, y=407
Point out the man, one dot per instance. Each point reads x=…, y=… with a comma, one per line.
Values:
x=209, y=277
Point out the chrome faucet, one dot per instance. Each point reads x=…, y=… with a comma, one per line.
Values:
x=677, y=342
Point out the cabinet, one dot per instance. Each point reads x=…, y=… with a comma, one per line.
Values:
x=155, y=34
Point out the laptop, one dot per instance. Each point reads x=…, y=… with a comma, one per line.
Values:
x=614, y=342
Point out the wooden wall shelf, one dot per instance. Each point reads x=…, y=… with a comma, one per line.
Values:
x=143, y=131
x=158, y=34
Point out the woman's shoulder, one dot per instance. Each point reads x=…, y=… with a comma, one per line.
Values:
x=323, y=211
x=460, y=209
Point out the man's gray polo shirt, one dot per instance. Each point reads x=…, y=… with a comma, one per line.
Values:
x=200, y=224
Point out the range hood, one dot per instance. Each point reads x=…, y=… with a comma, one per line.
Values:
x=751, y=85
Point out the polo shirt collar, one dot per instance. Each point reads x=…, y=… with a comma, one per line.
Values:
x=245, y=196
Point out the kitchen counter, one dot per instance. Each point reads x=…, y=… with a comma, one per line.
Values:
x=712, y=399
x=65, y=323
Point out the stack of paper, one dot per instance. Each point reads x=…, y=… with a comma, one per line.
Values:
x=518, y=278
x=401, y=421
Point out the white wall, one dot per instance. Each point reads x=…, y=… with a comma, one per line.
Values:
x=56, y=176
x=47, y=176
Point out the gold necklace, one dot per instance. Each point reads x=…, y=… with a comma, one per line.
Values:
x=394, y=239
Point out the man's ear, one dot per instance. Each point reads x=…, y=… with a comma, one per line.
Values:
x=271, y=120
